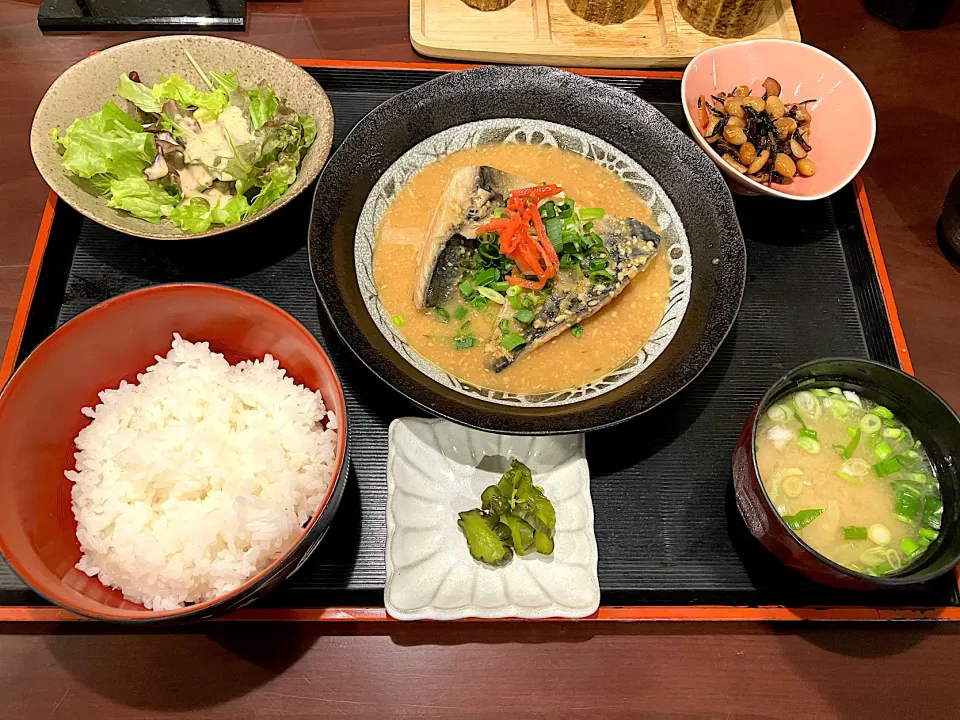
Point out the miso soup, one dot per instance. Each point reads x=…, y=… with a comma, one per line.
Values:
x=850, y=479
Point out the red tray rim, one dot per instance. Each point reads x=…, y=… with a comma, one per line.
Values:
x=681, y=613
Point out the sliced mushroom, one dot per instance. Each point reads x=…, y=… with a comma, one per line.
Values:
x=771, y=88
x=796, y=149
x=157, y=169
x=715, y=128
x=800, y=114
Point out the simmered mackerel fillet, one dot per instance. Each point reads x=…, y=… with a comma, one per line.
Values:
x=468, y=201
x=631, y=244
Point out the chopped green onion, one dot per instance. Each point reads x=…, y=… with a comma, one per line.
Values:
x=801, y=519
x=442, y=314
x=511, y=341
x=856, y=467
x=932, y=512
x=466, y=287
x=882, y=412
x=870, y=423
x=808, y=444
x=839, y=407
x=591, y=213
x=928, y=534
x=808, y=432
x=501, y=286
x=808, y=405
x=838, y=449
x=778, y=413
x=524, y=315
x=880, y=534
x=500, y=213
x=883, y=568
x=548, y=209
x=504, y=326
x=492, y=295
x=465, y=342
x=577, y=330
x=397, y=320
x=854, y=532
x=852, y=445
x=887, y=467
x=485, y=277
x=554, y=228
x=907, y=504
x=893, y=433
x=909, y=546
x=893, y=557
x=460, y=313
x=874, y=555
x=480, y=303
x=883, y=450
x=851, y=431
x=846, y=477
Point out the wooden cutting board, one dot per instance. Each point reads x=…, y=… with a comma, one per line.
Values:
x=547, y=32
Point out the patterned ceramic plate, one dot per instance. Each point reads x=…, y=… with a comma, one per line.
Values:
x=432, y=475
x=488, y=132
x=692, y=204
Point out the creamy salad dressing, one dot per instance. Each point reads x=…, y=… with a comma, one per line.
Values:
x=218, y=138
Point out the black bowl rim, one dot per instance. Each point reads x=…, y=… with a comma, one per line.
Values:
x=880, y=581
x=420, y=391
x=308, y=541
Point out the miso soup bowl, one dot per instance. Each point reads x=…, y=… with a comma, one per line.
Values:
x=930, y=418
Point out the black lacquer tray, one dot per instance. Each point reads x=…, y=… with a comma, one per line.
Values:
x=671, y=544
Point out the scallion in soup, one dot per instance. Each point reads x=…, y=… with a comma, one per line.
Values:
x=850, y=479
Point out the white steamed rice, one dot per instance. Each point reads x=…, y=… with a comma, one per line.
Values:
x=197, y=477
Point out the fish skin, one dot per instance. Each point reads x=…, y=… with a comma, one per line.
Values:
x=468, y=201
x=573, y=298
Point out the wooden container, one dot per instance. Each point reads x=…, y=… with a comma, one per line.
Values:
x=548, y=32
x=488, y=5
x=606, y=12
x=725, y=18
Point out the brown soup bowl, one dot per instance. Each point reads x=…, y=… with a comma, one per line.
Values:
x=116, y=340
x=922, y=410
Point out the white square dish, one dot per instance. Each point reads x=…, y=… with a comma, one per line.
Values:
x=432, y=475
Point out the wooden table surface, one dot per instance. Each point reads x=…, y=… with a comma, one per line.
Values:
x=231, y=670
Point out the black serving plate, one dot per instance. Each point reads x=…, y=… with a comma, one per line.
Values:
x=668, y=531
x=685, y=173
